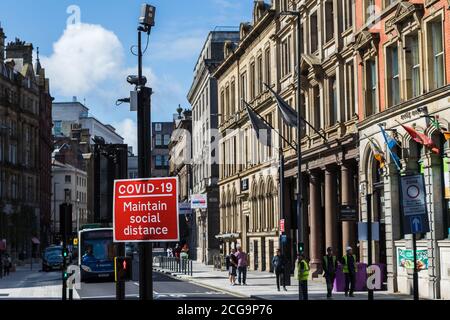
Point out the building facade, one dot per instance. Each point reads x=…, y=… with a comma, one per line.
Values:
x=24, y=93
x=70, y=187
x=250, y=182
x=205, y=169
x=161, y=133
x=180, y=157
x=402, y=52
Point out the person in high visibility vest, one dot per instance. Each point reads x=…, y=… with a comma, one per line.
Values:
x=302, y=275
x=329, y=270
x=350, y=269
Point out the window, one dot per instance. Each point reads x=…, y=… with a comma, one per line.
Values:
x=316, y=107
x=244, y=87
x=158, y=127
x=313, y=28
x=166, y=139
x=233, y=98
x=57, y=128
x=158, y=139
x=68, y=179
x=252, y=81
x=435, y=54
x=329, y=20
x=348, y=14
x=349, y=90
x=14, y=187
x=260, y=75
x=269, y=120
x=412, y=60
x=371, y=87
x=369, y=9
x=222, y=105
x=393, y=77
x=13, y=153
x=158, y=162
x=227, y=101
x=284, y=5
x=267, y=66
x=333, y=103
x=286, y=56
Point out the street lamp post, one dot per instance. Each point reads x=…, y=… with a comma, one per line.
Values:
x=300, y=234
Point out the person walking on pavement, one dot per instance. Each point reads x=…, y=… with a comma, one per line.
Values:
x=350, y=269
x=232, y=266
x=7, y=265
x=329, y=270
x=279, y=265
x=242, y=265
x=302, y=274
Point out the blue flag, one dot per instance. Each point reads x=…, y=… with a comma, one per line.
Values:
x=391, y=143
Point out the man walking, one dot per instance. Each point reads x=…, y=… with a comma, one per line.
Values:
x=242, y=265
x=349, y=268
x=329, y=270
x=279, y=265
x=302, y=275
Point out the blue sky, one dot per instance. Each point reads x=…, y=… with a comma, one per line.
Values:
x=90, y=60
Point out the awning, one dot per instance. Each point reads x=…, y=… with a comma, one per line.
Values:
x=35, y=240
x=226, y=236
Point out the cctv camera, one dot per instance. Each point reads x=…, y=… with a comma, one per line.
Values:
x=135, y=80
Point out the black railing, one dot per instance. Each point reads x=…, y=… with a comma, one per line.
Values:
x=179, y=265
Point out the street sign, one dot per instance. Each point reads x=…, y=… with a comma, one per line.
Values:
x=415, y=216
x=283, y=238
x=146, y=210
x=184, y=208
x=282, y=222
x=199, y=201
x=348, y=213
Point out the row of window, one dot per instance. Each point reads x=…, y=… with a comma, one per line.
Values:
x=11, y=184
x=161, y=161
x=409, y=70
x=162, y=140
x=82, y=182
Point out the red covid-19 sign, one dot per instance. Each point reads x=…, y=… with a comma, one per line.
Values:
x=146, y=210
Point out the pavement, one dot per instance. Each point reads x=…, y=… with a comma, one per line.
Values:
x=30, y=283
x=262, y=285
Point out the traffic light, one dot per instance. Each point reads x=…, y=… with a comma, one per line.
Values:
x=122, y=268
x=65, y=253
x=65, y=219
x=301, y=247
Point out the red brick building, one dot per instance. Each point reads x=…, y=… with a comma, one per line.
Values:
x=402, y=51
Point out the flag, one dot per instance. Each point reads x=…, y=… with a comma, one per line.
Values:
x=289, y=115
x=391, y=143
x=377, y=153
x=262, y=130
x=422, y=138
x=437, y=125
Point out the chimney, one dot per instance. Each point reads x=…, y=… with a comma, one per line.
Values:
x=2, y=45
x=20, y=50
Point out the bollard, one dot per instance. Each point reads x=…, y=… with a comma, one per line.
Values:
x=191, y=268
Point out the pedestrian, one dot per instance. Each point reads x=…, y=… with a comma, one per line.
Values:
x=177, y=251
x=169, y=252
x=350, y=269
x=302, y=275
x=329, y=270
x=7, y=265
x=233, y=264
x=242, y=265
x=279, y=266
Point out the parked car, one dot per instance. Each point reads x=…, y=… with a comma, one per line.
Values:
x=52, y=258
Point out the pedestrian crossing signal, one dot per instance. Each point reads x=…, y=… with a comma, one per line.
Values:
x=301, y=247
x=122, y=269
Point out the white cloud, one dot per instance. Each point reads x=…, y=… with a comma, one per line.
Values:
x=82, y=58
x=179, y=46
x=127, y=128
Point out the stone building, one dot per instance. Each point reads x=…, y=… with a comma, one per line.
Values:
x=249, y=182
x=402, y=52
x=205, y=170
x=180, y=156
x=24, y=149
x=161, y=133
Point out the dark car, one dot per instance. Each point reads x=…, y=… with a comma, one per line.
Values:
x=52, y=258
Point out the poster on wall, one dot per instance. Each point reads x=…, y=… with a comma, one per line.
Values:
x=446, y=178
x=405, y=259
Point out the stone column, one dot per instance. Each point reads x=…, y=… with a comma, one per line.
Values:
x=348, y=227
x=331, y=225
x=315, y=224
